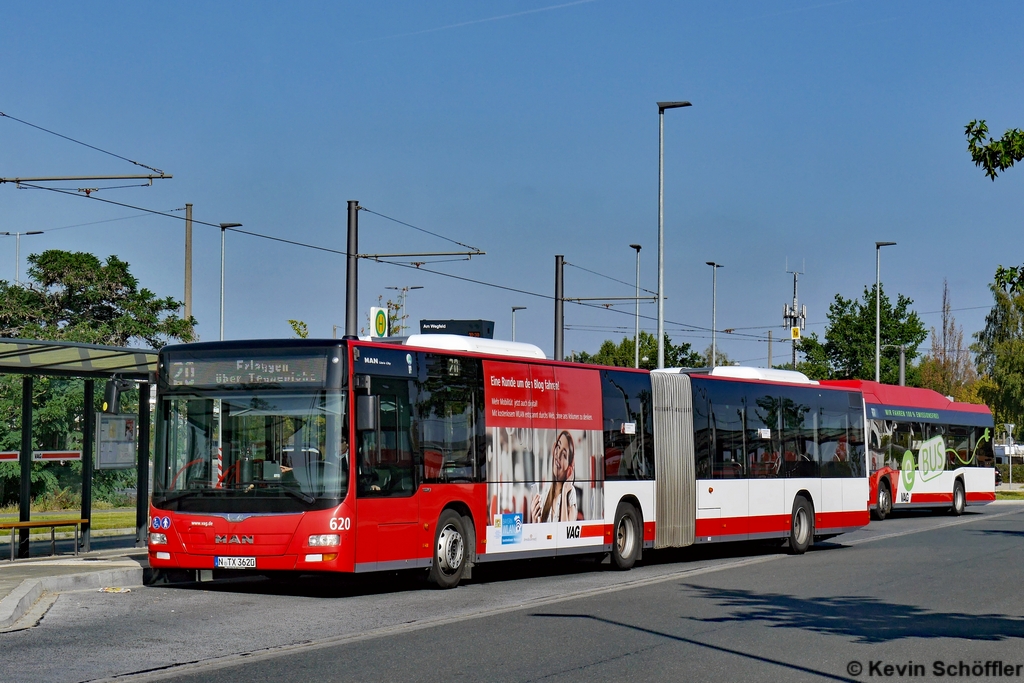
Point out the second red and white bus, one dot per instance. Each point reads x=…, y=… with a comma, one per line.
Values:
x=924, y=449
x=444, y=452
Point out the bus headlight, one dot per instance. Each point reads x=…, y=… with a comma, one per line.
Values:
x=158, y=539
x=321, y=540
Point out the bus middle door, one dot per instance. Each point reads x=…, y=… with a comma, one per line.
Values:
x=387, y=509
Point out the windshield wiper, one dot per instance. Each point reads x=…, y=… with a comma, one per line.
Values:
x=304, y=497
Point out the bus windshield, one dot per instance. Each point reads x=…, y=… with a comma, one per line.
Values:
x=262, y=446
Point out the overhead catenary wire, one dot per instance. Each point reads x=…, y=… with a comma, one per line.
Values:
x=79, y=142
x=608, y=277
x=414, y=227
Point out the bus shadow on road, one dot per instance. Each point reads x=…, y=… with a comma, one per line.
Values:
x=866, y=620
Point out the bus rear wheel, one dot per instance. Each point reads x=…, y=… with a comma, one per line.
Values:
x=801, y=530
x=449, y=561
x=883, y=502
x=959, y=498
x=626, y=540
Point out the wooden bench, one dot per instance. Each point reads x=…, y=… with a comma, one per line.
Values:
x=52, y=523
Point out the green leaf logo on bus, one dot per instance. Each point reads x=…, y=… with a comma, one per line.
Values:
x=907, y=471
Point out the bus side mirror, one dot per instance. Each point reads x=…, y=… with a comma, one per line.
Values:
x=366, y=412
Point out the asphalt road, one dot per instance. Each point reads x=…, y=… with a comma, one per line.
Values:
x=911, y=591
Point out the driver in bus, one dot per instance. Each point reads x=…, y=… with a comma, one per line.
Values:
x=559, y=505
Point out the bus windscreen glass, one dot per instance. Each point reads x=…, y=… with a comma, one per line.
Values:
x=268, y=445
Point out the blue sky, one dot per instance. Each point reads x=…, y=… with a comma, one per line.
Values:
x=526, y=129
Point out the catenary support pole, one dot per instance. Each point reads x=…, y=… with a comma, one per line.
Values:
x=352, y=273
x=559, y=319
x=188, y=261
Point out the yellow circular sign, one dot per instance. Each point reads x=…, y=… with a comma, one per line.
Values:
x=380, y=323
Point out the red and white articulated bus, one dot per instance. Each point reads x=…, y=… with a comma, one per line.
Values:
x=925, y=450
x=442, y=452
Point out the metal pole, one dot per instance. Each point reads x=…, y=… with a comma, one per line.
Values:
x=661, y=237
x=188, y=261
x=714, y=315
x=559, y=319
x=142, y=487
x=352, y=273
x=88, y=438
x=17, y=257
x=25, y=460
x=662, y=106
x=769, y=349
x=878, y=316
x=903, y=365
x=514, y=309
x=878, y=312
x=636, y=325
x=222, y=231
x=795, y=277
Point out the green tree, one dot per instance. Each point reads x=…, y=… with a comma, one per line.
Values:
x=994, y=155
x=300, y=328
x=848, y=351
x=73, y=296
x=621, y=354
x=999, y=347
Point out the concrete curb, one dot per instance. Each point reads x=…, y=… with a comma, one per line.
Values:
x=21, y=599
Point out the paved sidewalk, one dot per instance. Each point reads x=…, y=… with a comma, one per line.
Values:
x=28, y=587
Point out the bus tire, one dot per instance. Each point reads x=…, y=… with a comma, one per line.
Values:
x=450, y=551
x=626, y=537
x=883, y=501
x=959, y=498
x=801, y=528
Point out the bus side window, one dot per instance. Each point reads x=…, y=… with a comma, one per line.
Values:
x=628, y=425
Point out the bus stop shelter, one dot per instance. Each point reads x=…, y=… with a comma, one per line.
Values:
x=34, y=358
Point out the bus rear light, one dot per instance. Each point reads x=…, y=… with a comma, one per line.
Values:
x=324, y=540
x=158, y=539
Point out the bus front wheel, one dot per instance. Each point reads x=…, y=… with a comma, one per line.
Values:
x=449, y=550
x=959, y=498
x=801, y=530
x=627, y=539
x=883, y=502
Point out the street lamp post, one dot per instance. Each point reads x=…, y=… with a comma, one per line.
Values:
x=17, y=250
x=223, y=228
x=714, y=309
x=514, y=309
x=636, y=326
x=403, y=292
x=662, y=106
x=878, y=312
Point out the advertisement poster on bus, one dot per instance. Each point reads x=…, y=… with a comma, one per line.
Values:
x=545, y=456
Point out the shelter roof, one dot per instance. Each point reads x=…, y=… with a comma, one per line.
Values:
x=73, y=359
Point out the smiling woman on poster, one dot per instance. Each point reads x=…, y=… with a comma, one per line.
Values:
x=560, y=503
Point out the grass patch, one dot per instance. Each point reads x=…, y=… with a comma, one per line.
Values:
x=1010, y=495
x=101, y=519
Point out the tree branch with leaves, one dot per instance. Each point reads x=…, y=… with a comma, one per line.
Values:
x=994, y=155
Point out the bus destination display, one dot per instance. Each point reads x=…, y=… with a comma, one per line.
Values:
x=244, y=371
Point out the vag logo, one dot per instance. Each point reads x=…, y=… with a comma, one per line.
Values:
x=572, y=531
x=234, y=539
